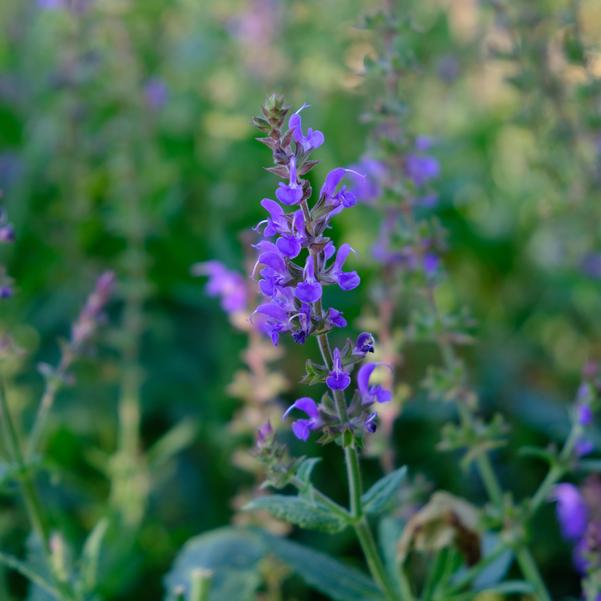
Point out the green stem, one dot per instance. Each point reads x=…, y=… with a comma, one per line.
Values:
x=353, y=471
x=33, y=506
x=483, y=464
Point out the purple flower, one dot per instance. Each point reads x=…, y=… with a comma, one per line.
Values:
x=375, y=392
x=156, y=93
x=572, y=512
x=338, y=378
x=264, y=434
x=292, y=193
x=364, y=344
x=583, y=447
x=277, y=320
x=347, y=280
x=341, y=199
x=420, y=168
x=367, y=187
x=302, y=428
x=371, y=423
x=6, y=291
x=309, y=290
x=7, y=233
x=228, y=285
x=431, y=263
x=585, y=414
x=274, y=274
x=335, y=318
x=314, y=138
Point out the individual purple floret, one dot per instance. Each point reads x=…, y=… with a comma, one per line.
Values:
x=374, y=393
x=420, y=167
x=364, y=344
x=572, y=512
x=302, y=428
x=291, y=193
x=309, y=290
x=228, y=285
x=314, y=138
x=338, y=378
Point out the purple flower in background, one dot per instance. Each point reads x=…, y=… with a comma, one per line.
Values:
x=314, y=138
x=572, y=512
x=309, y=290
x=585, y=414
x=338, y=378
x=374, y=393
x=583, y=447
x=51, y=4
x=291, y=193
x=224, y=283
x=591, y=265
x=156, y=93
x=367, y=187
x=431, y=263
x=87, y=322
x=302, y=428
x=7, y=236
x=6, y=291
x=420, y=168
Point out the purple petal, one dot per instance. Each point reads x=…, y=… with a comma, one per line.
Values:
x=332, y=180
x=314, y=138
x=343, y=252
x=273, y=260
x=349, y=280
x=338, y=380
x=306, y=404
x=288, y=246
x=273, y=208
x=289, y=195
x=585, y=414
x=336, y=318
x=309, y=292
x=302, y=429
x=273, y=310
x=363, y=376
x=572, y=512
x=329, y=251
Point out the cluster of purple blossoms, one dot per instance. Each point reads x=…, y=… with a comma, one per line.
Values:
x=296, y=260
x=579, y=517
x=7, y=236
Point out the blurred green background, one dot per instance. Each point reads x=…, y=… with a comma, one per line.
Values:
x=125, y=143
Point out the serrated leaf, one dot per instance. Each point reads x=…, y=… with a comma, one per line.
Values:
x=231, y=554
x=382, y=493
x=299, y=511
x=329, y=576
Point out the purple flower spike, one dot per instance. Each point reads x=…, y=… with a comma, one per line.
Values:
x=374, y=393
x=338, y=378
x=314, y=138
x=346, y=280
x=572, y=512
x=309, y=290
x=292, y=193
x=302, y=428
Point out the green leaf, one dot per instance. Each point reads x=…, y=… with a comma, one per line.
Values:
x=327, y=575
x=390, y=529
x=299, y=511
x=305, y=469
x=91, y=554
x=231, y=554
x=383, y=492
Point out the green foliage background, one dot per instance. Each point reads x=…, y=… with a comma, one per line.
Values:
x=95, y=177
